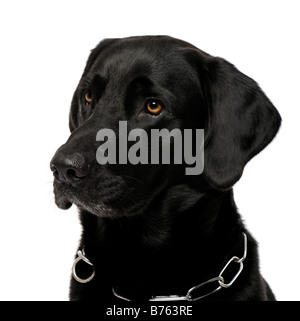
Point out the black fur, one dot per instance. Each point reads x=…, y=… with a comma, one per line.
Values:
x=151, y=229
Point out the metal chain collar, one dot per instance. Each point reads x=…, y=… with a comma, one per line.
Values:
x=189, y=295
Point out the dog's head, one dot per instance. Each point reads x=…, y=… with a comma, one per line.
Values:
x=156, y=83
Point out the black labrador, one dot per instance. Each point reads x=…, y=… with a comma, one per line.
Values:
x=150, y=231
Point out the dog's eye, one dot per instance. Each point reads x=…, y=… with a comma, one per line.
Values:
x=154, y=107
x=88, y=97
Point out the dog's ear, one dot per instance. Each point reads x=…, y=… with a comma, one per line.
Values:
x=73, y=117
x=241, y=120
x=96, y=52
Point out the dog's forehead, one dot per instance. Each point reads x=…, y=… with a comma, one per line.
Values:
x=141, y=55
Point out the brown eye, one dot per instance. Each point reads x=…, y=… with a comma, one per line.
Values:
x=88, y=97
x=154, y=107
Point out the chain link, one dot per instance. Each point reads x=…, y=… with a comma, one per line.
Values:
x=190, y=291
x=234, y=259
x=81, y=256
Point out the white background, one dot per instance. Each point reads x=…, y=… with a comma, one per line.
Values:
x=44, y=47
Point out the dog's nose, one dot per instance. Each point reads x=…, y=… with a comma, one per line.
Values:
x=68, y=168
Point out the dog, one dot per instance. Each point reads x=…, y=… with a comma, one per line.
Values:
x=151, y=232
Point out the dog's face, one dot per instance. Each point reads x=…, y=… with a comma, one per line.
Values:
x=156, y=83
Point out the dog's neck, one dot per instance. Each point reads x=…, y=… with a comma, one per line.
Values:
x=203, y=229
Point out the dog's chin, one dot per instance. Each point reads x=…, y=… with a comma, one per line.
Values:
x=110, y=199
x=104, y=211
x=99, y=209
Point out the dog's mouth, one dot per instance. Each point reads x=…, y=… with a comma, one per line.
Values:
x=66, y=196
x=62, y=202
x=108, y=199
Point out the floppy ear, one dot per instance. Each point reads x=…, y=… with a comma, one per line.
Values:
x=241, y=120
